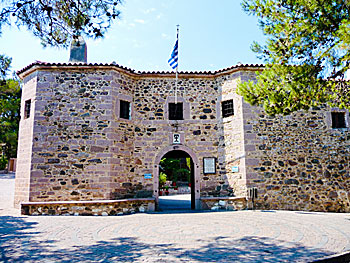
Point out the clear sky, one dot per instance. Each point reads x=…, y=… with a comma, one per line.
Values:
x=213, y=35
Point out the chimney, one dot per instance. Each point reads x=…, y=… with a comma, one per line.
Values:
x=78, y=50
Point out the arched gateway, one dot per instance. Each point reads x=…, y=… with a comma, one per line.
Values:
x=176, y=152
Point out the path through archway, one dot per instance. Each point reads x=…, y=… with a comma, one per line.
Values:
x=176, y=181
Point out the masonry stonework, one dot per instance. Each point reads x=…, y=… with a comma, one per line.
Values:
x=76, y=148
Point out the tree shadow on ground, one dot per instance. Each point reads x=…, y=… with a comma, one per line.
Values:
x=19, y=243
x=253, y=249
x=14, y=237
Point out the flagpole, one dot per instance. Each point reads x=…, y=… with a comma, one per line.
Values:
x=176, y=72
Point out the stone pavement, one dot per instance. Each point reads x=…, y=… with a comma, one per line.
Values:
x=243, y=236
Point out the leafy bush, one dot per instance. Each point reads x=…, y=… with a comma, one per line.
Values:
x=3, y=162
x=162, y=178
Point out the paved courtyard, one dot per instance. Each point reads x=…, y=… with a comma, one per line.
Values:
x=243, y=236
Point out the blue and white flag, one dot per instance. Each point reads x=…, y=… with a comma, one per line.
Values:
x=174, y=55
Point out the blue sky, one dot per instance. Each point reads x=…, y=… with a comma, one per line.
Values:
x=213, y=35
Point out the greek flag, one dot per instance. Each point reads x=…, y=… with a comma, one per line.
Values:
x=174, y=56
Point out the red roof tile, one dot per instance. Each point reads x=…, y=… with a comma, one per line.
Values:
x=132, y=71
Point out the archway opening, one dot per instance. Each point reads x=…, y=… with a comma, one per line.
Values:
x=176, y=181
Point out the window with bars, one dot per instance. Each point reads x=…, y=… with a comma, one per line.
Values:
x=27, y=105
x=125, y=110
x=338, y=120
x=176, y=111
x=227, y=108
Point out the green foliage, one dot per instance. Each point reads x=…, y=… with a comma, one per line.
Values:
x=5, y=63
x=56, y=21
x=10, y=101
x=3, y=162
x=174, y=171
x=162, y=178
x=307, y=54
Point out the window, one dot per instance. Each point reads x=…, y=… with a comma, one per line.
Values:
x=338, y=120
x=176, y=111
x=125, y=110
x=227, y=108
x=27, y=104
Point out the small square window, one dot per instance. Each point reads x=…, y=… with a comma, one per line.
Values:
x=176, y=111
x=338, y=120
x=27, y=105
x=125, y=110
x=227, y=108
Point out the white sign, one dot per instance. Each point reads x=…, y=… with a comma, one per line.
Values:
x=176, y=138
x=209, y=165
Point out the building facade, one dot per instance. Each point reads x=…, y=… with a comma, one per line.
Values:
x=92, y=136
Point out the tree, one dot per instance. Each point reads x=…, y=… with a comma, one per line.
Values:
x=307, y=55
x=175, y=169
x=55, y=22
x=10, y=101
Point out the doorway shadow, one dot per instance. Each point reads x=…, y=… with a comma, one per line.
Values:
x=175, y=203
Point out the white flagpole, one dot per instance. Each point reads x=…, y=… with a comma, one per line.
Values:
x=177, y=38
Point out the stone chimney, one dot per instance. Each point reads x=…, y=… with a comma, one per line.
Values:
x=78, y=50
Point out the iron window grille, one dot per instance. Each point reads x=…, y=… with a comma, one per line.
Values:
x=227, y=108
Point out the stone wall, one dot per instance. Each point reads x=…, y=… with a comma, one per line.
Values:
x=25, y=142
x=224, y=203
x=72, y=124
x=198, y=131
x=298, y=162
x=89, y=208
x=231, y=139
x=81, y=150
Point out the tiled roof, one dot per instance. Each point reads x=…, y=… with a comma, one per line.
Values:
x=132, y=71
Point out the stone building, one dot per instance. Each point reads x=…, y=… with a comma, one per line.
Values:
x=92, y=136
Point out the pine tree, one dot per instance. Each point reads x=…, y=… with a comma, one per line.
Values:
x=307, y=55
x=55, y=22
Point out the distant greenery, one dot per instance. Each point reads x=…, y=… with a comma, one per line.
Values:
x=307, y=55
x=10, y=101
x=172, y=169
x=162, y=178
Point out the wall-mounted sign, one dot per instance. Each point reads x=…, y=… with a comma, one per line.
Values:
x=235, y=169
x=176, y=138
x=148, y=176
x=209, y=165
